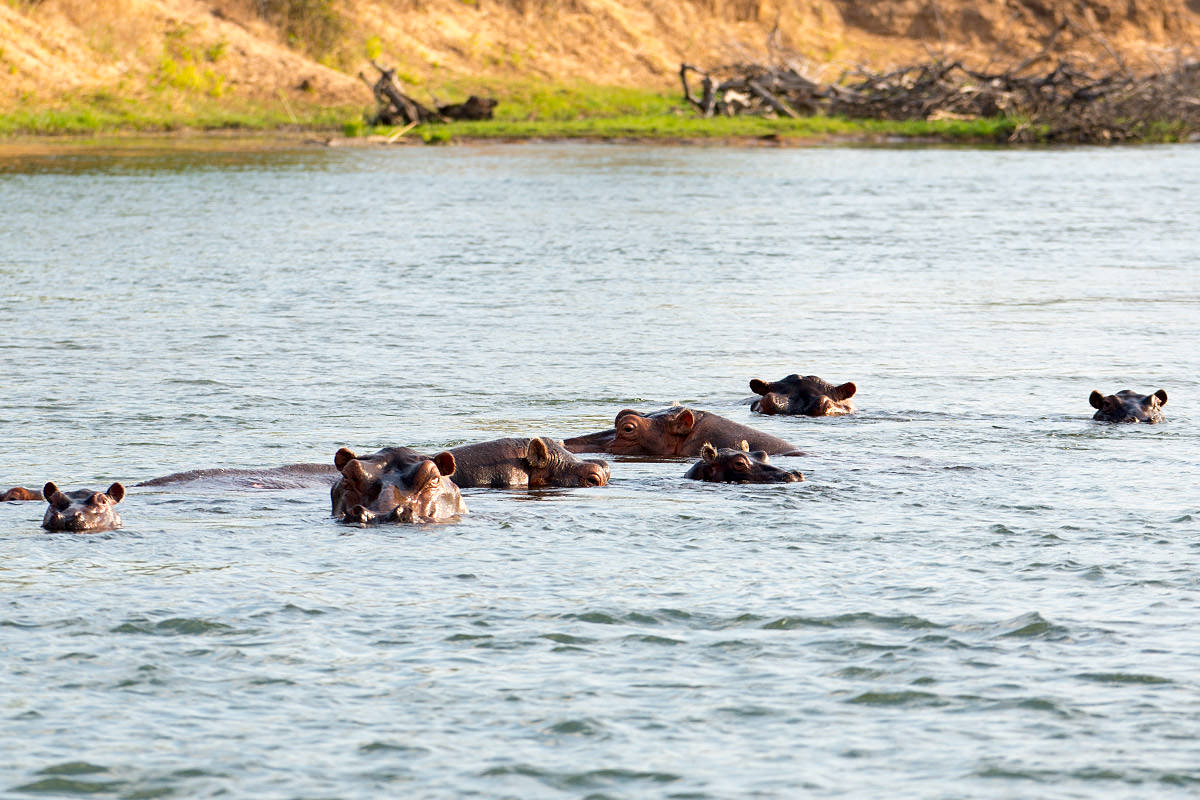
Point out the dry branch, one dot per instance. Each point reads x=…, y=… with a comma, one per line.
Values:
x=394, y=107
x=1068, y=103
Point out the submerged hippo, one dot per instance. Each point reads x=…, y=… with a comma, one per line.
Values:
x=524, y=464
x=674, y=432
x=82, y=510
x=20, y=493
x=738, y=465
x=809, y=396
x=396, y=484
x=1128, y=406
x=289, y=476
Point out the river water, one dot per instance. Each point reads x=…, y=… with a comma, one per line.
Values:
x=979, y=592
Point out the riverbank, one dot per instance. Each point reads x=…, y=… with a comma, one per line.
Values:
x=527, y=111
x=601, y=69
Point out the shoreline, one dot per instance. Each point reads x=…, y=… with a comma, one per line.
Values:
x=118, y=143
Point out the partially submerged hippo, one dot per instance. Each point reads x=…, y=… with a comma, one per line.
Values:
x=289, y=476
x=809, y=396
x=738, y=465
x=1128, y=406
x=524, y=464
x=20, y=493
x=82, y=510
x=396, y=484
x=674, y=432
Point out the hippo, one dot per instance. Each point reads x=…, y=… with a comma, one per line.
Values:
x=1128, y=406
x=289, y=476
x=809, y=396
x=738, y=465
x=524, y=464
x=83, y=510
x=674, y=432
x=396, y=484
x=20, y=493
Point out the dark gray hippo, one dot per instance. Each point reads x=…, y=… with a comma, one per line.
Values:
x=674, y=433
x=809, y=396
x=738, y=465
x=395, y=484
x=524, y=464
x=288, y=476
x=1128, y=406
x=82, y=511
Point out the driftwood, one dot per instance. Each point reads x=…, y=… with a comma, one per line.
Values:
x=394, y=107
x=1066, y=104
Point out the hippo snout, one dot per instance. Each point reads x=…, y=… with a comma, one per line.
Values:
x=771, y=403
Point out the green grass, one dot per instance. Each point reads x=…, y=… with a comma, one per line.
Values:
x=103, y=112
x=527, y=110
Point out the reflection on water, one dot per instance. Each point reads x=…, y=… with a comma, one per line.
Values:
x=977, y=592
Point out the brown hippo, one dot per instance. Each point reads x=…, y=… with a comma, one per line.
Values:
x=20, y=493
x=674, y=432
x=82, y=510
x=809, y=396
x=524, y=464
x=738, y=465
x=396, y=484
x=1128, y=406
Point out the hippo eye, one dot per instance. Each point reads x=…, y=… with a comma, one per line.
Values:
x=741, y=465
x=628, y=427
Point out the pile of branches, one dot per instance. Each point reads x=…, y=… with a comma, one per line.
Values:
x=394, y=107
x=1067, y=104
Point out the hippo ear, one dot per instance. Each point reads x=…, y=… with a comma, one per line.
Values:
x=444, y=461
x=744, y=445
x=353, y=471
x=537, y=454
x=1096, y=399
x=116, y=492
x=49, y=490
x=708, y=452
x=343, y=457
x=1161, y=394
x=682, y=423
x=844, y=392
x=759, y=387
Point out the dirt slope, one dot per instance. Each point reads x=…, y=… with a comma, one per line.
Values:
x=225, y=48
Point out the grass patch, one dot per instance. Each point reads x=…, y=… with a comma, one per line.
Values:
x=527, y=110
x=102, y=112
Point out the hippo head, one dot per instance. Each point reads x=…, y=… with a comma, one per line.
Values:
x=20, y=493
x=730, y=465
x=1128, y=406
x=551, y=464
x=82, y=510
x=660, y=433
x=809, y=396
x=396, y=484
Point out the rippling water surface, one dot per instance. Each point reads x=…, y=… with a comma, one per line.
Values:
x=979, y=592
